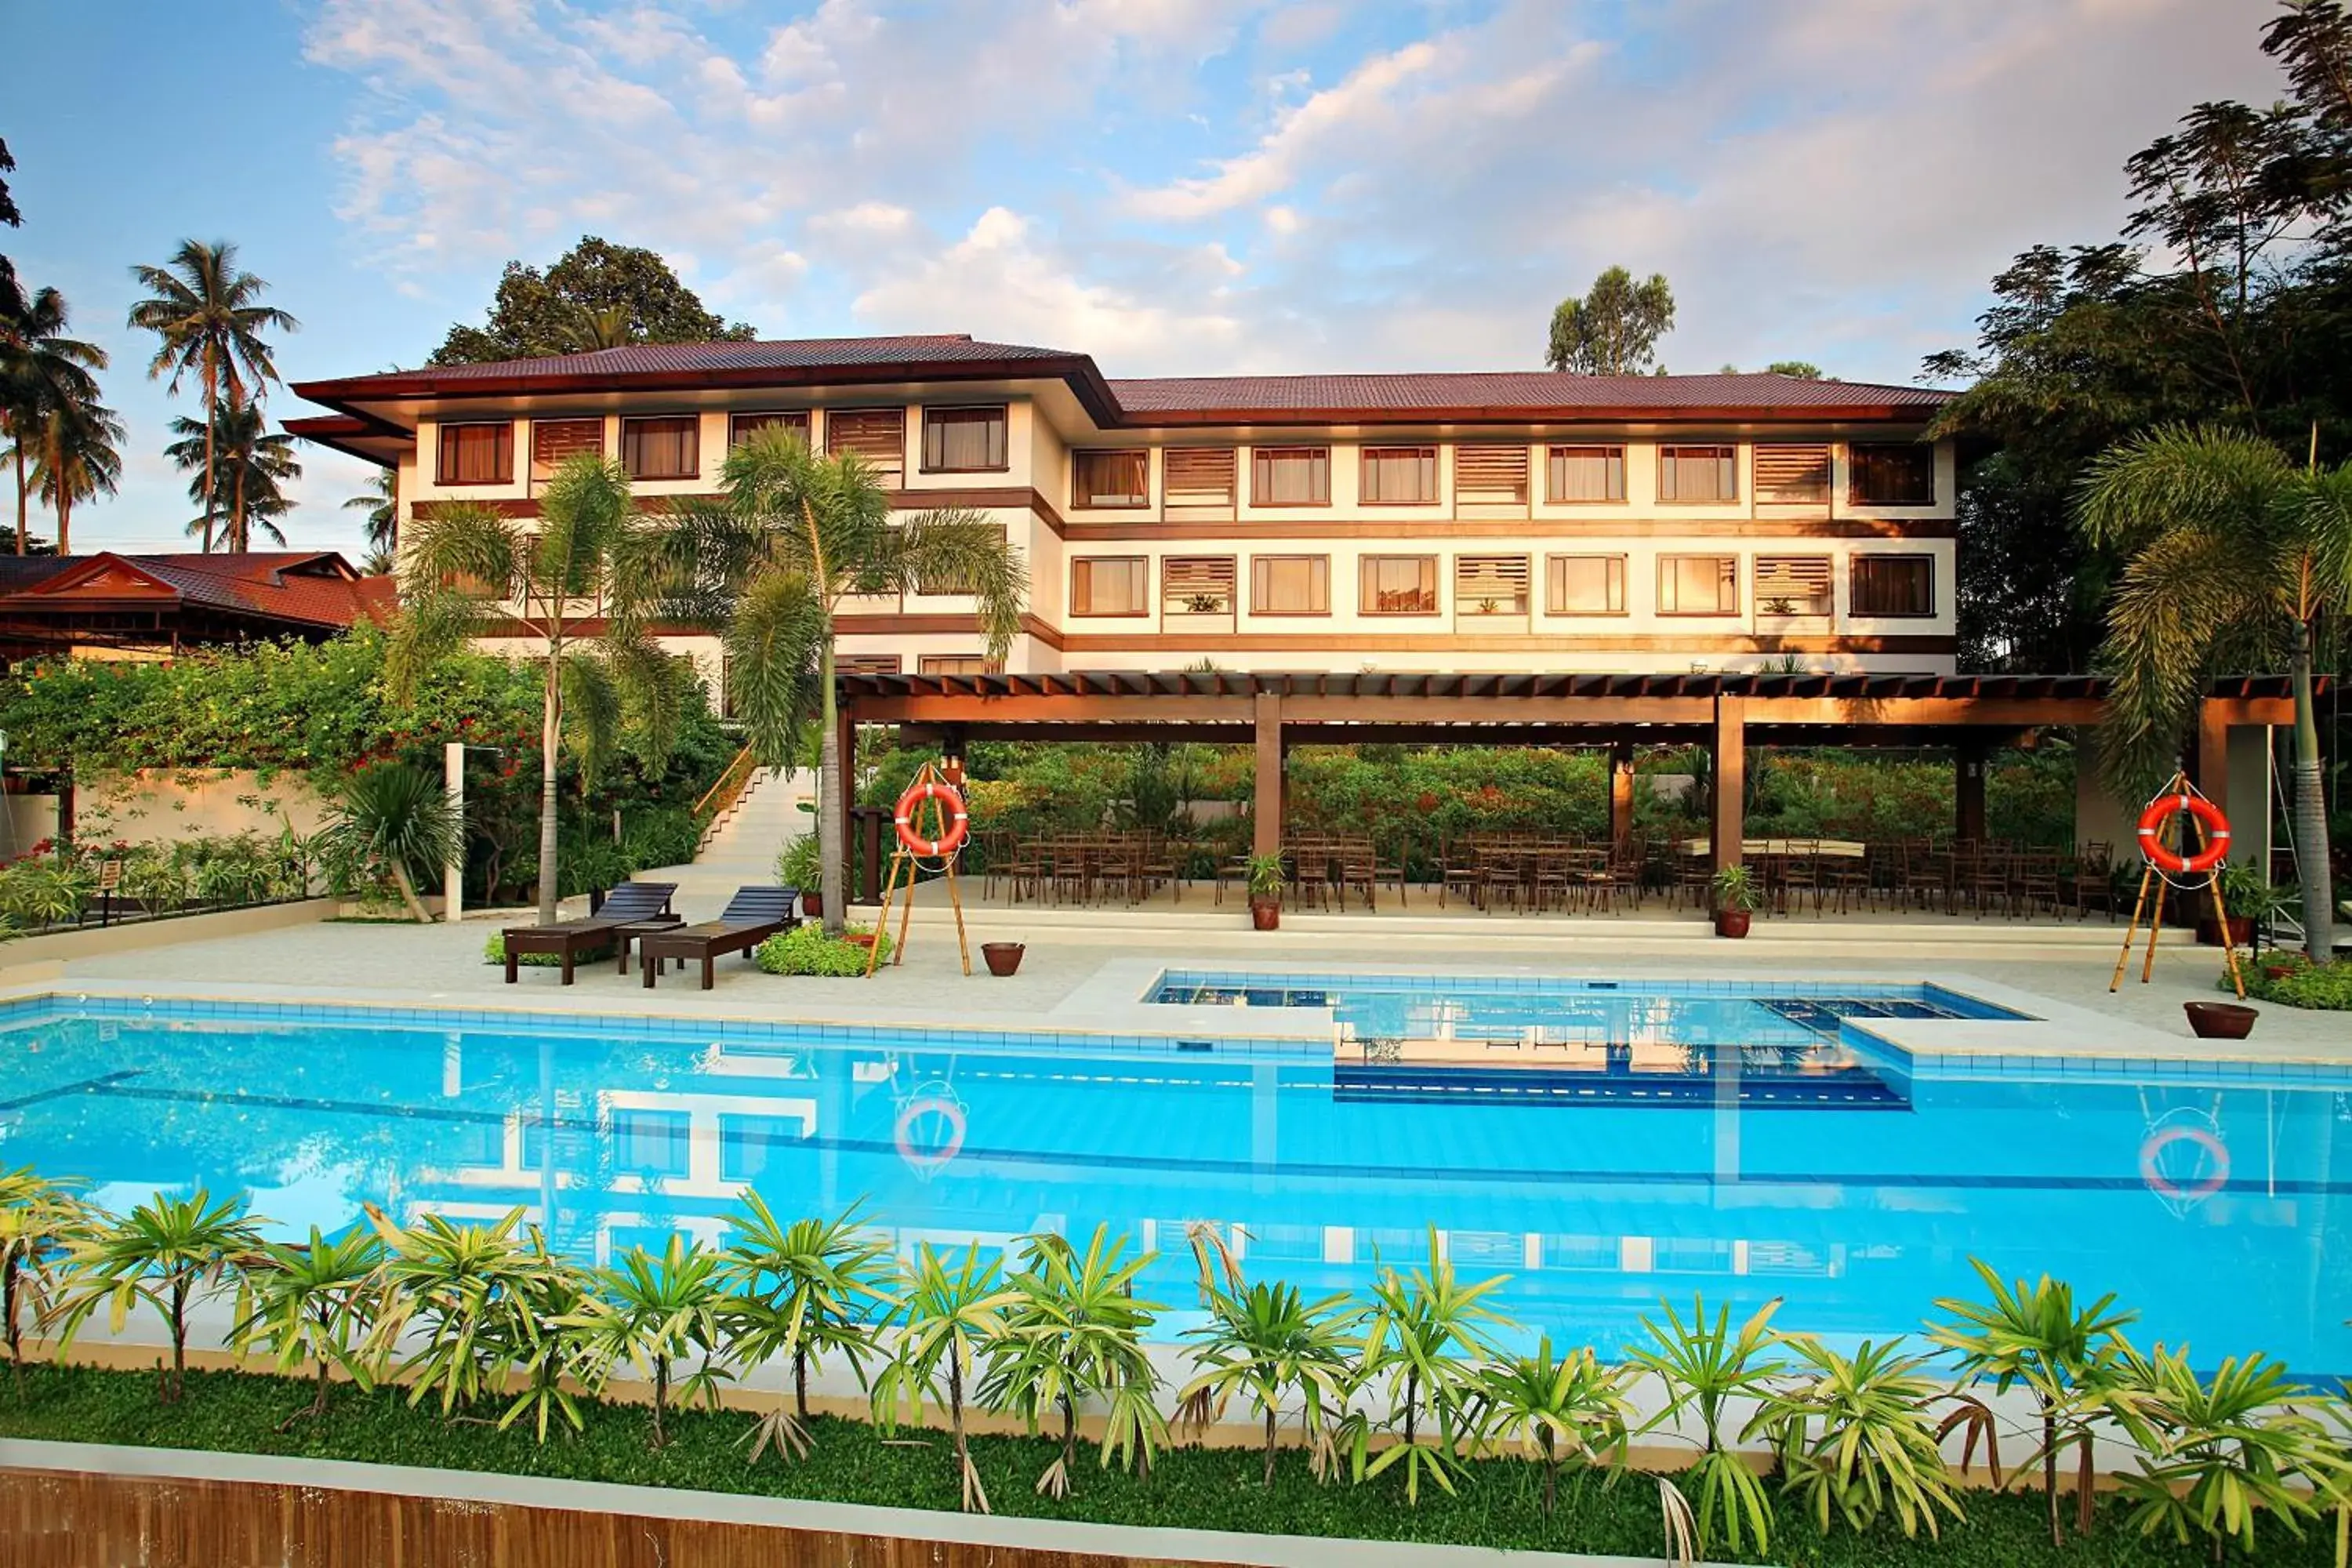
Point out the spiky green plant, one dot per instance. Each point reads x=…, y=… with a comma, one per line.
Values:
x=400, y=819
x=1855, y=1437
x=1704, y=1367
x=1425, y=1334
x=1072, y=1334
x=41, y=1222
x=804, y=1291
x=167, y=1253
x=1270, y=1343
x=945, y=1320
x=312, y=1304
x=653, y=1312
x=1562, y=1409
x=2216, y=1454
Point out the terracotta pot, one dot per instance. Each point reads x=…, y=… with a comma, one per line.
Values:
x=1265, y=914
x=2219, y=1020
x=1733, y=922
x=2277, y=971
x=859, y=938
x=813, y=905
x=2242, y=931
x=1002, y=957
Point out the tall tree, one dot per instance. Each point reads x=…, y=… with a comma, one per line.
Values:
x=380, y=507
x=251, y=463
x=207, y=316
x=1614, y=329
x=75, y=458
x=469, y=568
x=41, y=369
x=12, y=294
x=794, y=536
x=597, y=294
x=2232, y=557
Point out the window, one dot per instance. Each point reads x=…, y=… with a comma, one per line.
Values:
x=1490, y=585
x=1110, y=585
x=554, y=441
x=477, y=454
x=1792, y=585
x=650, y=1143
x=866, y=663
x=963, y=440
x=1198, y=476
x=1697, y=475
x=1588, y=473
x=877, y=435
x=1400, y=476
x=664, y=448
x=1585, y=585
x=1895, y=586
x=1698, y=585
x=958, y=664
x=1290, y=476
x=1398, y=585
x=951, y=584
x=1490, y=475
x=1110, y=479
x=1787, y=475
x=1891, y=473
x=1290, y=585
x=1196, y=585
x=742, y=427
x=749, y=1145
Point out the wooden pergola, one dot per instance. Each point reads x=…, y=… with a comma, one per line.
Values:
x=1968, y=714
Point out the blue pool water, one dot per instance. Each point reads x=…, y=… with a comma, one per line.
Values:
x=1618, y=1170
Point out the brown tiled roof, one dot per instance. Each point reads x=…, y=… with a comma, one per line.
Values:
x=791, y=354
x=308, y=587
x=1530, y=390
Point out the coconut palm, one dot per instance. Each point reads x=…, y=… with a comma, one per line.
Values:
x=1271, y=1344
x=41, y=1222
x=803, y=1292
x=2234, y=555
x=311, y=1303
x=208, y=319
x=653, y=1312
x=380, y=505
x=40, y=368
x=945, y=1320
x=770, y=561
x=1074, y=1334
x=165, y=1252
x=251, y=463
x=75, y=458
x=588, y=553
x=400, y=819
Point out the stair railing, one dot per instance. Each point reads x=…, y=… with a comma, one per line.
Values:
x=722, y=797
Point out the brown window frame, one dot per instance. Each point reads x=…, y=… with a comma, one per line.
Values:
x=1465, y=603
x=1557, y=604
x=503, y=445
x=1140, y=565
x=1174, y=460
x=1168, y=605
x=1474, y=459
x=1557, y=452
x=771, y=417
x=1666, y=559
x=1854, y=565
x=1261, y=471
x=1817, y=493
x=1828, y=575
x=537, y=426
x=868, y=664
x=1727, y=452
x=1003, y=444
x=1084, y=499
x=1430, y=600
x=693, y=423
x=926, y=664
x=1366, y=457
x=1324, y=575
x=834, y=445
x=1854, y=466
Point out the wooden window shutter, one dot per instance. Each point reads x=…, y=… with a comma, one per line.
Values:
x=878, y=435
x=1188, y=583
x=554, y=441
x=1792, y=585
x=1200, y=475
x=1499, y=580
x=1491, y=474
x=1792, y=473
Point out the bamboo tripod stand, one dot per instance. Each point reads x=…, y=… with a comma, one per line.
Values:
x=2149, y=875
x=904, y=860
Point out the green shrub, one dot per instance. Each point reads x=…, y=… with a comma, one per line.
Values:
x=2325, y=987
x=807, y=950
x=494, y=950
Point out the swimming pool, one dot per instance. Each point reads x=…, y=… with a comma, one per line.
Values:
x=2209, y=1203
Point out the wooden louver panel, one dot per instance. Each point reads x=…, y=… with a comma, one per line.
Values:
x=878, y=435
x=1188, y=583
x=1792, y=473
x=554, y=441
x=1490, y=473
x=1792, y=585
x=1200, y=475
x=1501, y=580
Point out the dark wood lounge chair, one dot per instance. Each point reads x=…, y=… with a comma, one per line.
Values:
x=752, y=915
x=632, y=906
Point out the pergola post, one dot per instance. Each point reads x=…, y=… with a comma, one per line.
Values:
x=2211, y=763
x=1265, y=836
x=1969, y=792
x=1730, y=779
x=1621, y=793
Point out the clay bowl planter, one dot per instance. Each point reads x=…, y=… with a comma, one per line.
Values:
x=1733, y=922
x=2219, y=1020
x=1002, y=957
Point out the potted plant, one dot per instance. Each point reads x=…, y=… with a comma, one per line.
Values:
x=1735, y=900
x=1002, y=957
x=2219, y=1020
x=1266, y=879
x=2248, y=899
x=797, y=866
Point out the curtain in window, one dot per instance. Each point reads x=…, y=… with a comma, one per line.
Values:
x=1895, y=585
x=1588, y=473
x=662, y=449
x=1587, y=586
x=1108, y=586
x=1291, y=475
x=963, y=438
x=554, y=441
x=1900, y=473
x=1400, y=474
x=1698, y=585
x=1698, y=473
x=1290, y=585
x=1400, y=585
x=1113, y=478
x=742, y=427
x=477, y=454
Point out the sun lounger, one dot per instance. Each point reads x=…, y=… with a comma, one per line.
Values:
x=752, y=915
x=632, y=906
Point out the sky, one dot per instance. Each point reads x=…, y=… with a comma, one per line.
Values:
x=1174, y=187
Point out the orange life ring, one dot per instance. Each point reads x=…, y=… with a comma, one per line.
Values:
x=2152, y=833
x=2217, y=1172
x=950, y=805
x=903, y=1133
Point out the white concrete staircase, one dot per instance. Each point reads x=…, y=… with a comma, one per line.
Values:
x=740, y=848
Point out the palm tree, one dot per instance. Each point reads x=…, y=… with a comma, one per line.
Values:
x=41, y=1221
x=75, y=460
x=381, y=504
x=2234, y=555
x=771, y=561
x=803, y=1292
x=1424, y=1335
x=248, y=459
x=1072, y=1336
x=468, y=569
x=1560, y=1408
x=399, y=818
x=653, y=1312
x=312, y=1303
x=40, y=368
x=946, y=1319
x=1270, y=1343
x=165, y=1252
x=207, y=316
